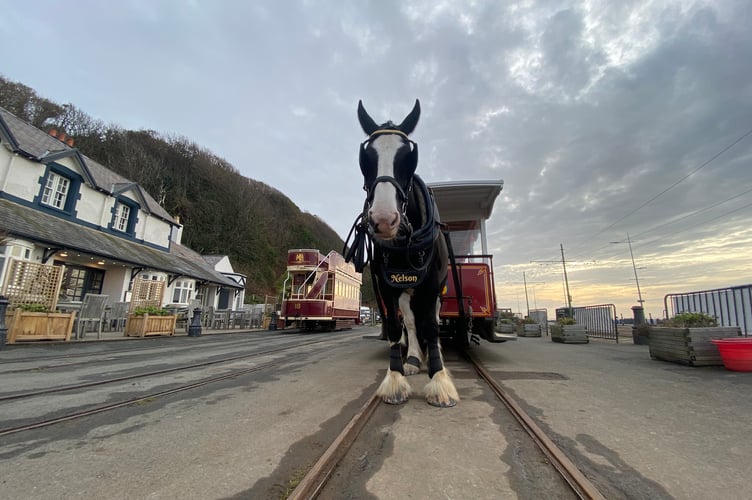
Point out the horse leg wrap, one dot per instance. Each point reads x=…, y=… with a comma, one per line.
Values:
x=434, y=360
x=395, y=358
x=412, y=360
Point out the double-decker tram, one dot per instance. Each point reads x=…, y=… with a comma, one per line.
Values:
x=464, y=207
x=320, y=291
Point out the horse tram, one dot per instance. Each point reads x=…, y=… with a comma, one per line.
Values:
x=321, y=292
x=468, y=316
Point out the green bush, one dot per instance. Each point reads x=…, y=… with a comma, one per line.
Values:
x=692, y=320
x=566, y=321
x=36, y=308
x=528, y=321
x=151, y=311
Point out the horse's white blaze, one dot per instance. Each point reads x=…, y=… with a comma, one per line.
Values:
x=413, y=348
x=384, y=211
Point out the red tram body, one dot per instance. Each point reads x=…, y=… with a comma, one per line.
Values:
x=321, y=291
x=464, y=207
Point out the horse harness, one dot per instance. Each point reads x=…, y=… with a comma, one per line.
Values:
x=405, y=259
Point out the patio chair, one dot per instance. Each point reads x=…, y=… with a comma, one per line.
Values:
x=92, y=311
x=118, y=315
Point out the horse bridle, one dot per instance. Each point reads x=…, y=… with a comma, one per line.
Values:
x=401, y=192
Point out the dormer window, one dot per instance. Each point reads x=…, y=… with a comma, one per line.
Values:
x=59, y=190
x=124, y=214
x=55, y=191
x=122, y=217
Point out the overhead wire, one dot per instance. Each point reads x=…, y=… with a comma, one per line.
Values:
x=676, y=183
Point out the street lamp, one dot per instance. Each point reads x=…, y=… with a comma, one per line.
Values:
x=634, y=268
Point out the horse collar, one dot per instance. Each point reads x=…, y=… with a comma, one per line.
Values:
x=405, y=259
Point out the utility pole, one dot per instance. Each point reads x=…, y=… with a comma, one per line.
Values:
x=566, y=280
x=568, y=298
x=634, y=268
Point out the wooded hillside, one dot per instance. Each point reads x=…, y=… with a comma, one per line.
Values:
x=223, y=212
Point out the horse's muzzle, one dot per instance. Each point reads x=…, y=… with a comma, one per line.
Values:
x=384, y=225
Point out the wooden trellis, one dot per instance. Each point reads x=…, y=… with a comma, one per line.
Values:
x=146, y=293
x=32, y=283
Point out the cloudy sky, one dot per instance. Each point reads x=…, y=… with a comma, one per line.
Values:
x=602, y=118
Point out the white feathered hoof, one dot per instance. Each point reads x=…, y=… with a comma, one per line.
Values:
x=394, y=389
x=440, y=391
x=412, y=366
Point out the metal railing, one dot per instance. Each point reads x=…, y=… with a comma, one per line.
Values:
x=599, y=319
x=730, y=306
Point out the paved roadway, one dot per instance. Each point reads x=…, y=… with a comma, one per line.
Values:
x=638, y=428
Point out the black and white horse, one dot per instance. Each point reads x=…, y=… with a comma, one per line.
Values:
x=408, y=256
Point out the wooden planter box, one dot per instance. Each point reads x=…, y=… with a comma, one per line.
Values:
x=529, y=330
x=25, y=325
x=689, y=346
x=569, y=334
x=506, y=328
x=143, y=326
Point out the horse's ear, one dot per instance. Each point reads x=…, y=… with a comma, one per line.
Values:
x=411, y=120
x=366, y=122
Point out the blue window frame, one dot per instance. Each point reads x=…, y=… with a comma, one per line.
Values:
x=124, y=216
x=59, y=190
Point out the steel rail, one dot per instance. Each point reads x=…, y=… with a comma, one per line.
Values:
x=54, y=390
x=126, y=351
x=580, y=484
x=311, y=484
x=147, y=397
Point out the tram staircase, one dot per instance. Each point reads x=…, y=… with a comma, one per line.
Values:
x=317, y=278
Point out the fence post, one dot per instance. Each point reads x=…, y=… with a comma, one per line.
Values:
x=3, y=329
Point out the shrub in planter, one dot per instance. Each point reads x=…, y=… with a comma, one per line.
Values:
x=687, y=339
x=36, y=322
x=150, y=320
x=568, y=331
x=528, y=327
x=151, y=311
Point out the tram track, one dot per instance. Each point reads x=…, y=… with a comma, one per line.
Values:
x=253, y=337
x=322, y=470
x=73, y=415
x=57, y=390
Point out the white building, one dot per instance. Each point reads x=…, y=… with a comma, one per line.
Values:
x=59, y=207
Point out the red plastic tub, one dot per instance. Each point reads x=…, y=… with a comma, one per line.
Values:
x=736, y=353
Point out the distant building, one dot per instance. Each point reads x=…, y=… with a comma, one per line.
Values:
x=60, y=207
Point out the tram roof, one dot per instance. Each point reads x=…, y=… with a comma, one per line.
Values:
x=465, y=200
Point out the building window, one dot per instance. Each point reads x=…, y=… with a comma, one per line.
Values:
x=122, y=217
x=183, y=292
x=124, y=213
x=59, y=190
x=56, y=190
x=79, y=280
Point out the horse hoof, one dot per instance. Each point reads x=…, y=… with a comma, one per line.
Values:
x=397, y=399
x=412, y=366
x=442, y=404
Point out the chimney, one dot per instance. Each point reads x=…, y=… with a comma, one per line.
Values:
x=176, y=234
x=53, y=132
x=62, y=136
x=69, y=141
